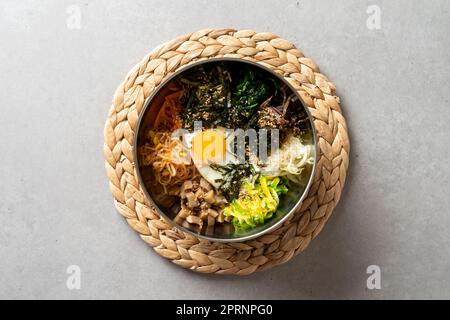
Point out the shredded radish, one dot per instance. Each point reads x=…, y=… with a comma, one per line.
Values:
x=290, y=159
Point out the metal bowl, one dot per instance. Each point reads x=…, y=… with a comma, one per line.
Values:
x=291, y=201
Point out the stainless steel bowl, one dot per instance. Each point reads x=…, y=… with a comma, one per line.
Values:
x=291, y=201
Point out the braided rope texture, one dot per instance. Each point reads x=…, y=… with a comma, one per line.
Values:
x=295, y=234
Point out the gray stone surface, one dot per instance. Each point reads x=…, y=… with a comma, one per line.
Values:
x=56, y=87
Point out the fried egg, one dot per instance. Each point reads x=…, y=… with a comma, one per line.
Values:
x=207, y=147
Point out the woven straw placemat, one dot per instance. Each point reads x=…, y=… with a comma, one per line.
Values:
x=182, y=248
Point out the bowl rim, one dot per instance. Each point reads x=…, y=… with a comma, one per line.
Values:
x=157, y=89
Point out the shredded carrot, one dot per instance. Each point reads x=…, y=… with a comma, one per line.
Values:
x=166, y=156
x=169, y=116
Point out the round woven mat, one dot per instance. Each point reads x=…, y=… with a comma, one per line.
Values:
x=182, y=248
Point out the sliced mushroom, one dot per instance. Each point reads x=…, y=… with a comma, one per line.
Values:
x=193, y=204
x=199, y=193
x=209, y=197
x=185, y=224
x=200, y=204
x=204, y=206
x=195, y=220
x=195, y=185
x=190, y=196
x=204, y=215
x=178, y=220
x=184, y=213
x=220, y=218
x=187, y=185
x=213, y=213
x=192, y=201
x=219, y=200
x=205, y=184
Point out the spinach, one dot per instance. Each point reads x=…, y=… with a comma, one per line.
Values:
x=248, y=94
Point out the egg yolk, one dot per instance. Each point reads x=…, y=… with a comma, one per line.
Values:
x=209, y=146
